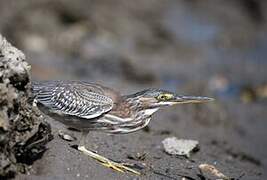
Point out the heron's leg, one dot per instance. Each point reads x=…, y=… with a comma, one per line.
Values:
x=83, y=138
x=104, y=161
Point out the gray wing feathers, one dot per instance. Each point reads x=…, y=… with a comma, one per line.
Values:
x=78, y=99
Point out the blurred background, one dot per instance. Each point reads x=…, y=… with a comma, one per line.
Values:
x=211, y=48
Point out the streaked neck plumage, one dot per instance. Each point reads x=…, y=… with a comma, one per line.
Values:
x=130, y=116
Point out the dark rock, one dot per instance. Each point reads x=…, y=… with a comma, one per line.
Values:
x=22, y=134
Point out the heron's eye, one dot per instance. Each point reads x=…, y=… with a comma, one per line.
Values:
x=164, y=97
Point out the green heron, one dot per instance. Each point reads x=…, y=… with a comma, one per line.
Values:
x=93, y=107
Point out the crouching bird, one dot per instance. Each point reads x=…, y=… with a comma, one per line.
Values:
x=92, y=107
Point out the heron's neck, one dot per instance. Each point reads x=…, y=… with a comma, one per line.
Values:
x=138, y=109
x=147, y=112
x=129, y=109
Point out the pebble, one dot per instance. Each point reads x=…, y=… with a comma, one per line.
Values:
x=180, y=147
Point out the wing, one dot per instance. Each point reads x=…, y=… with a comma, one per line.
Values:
x=85, y=100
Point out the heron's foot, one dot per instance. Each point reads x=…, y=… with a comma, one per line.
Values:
x=120, y=167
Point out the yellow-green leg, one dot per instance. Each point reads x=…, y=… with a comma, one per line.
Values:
x=120, y=167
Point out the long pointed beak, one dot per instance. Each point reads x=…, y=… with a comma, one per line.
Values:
x=191, y=99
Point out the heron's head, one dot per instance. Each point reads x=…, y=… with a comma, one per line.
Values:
x=153, y=99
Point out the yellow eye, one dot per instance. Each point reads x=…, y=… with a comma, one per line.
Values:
x=164, y=97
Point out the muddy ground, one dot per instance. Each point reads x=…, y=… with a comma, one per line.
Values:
x=217, y=49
